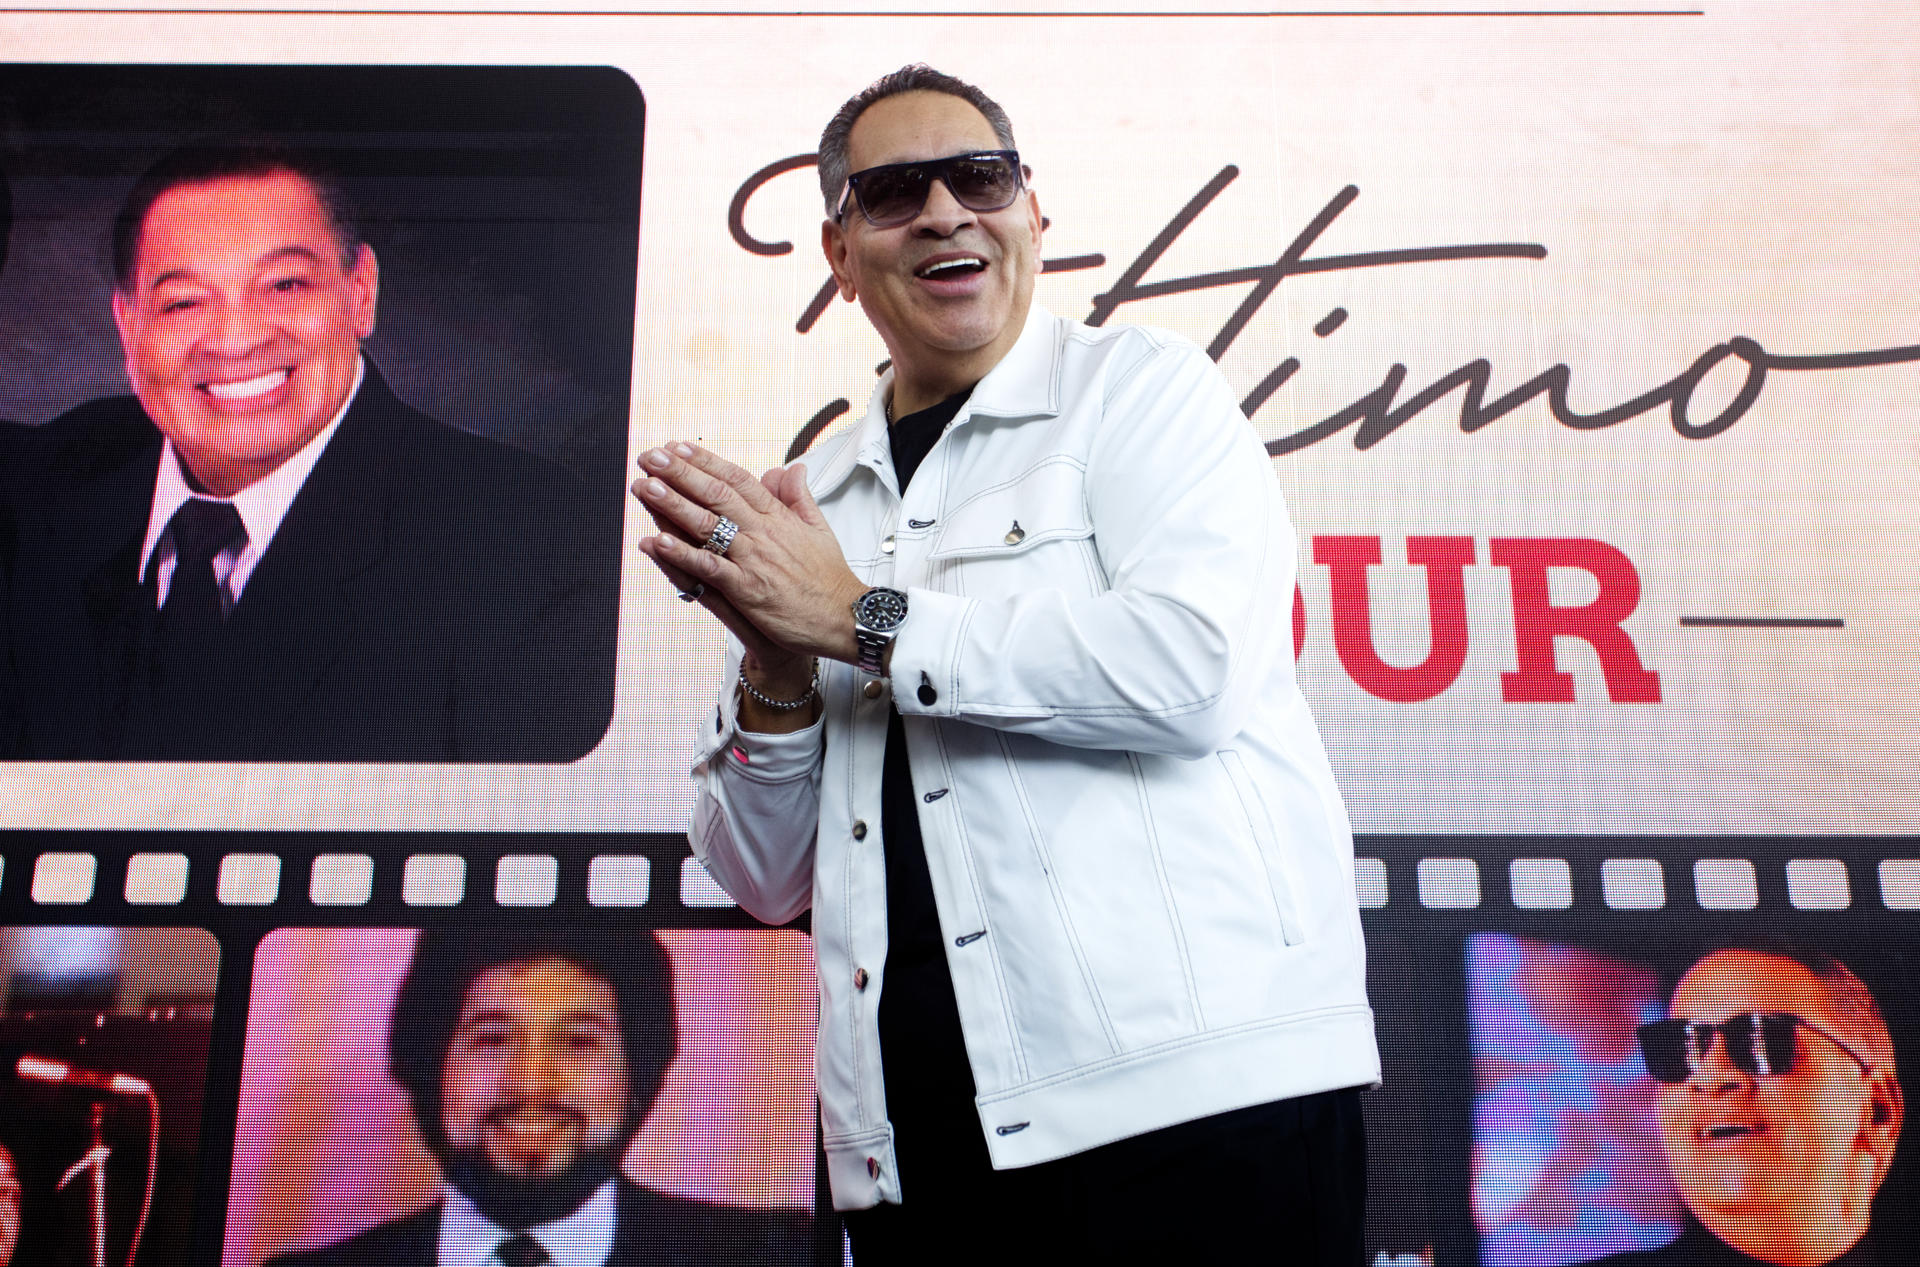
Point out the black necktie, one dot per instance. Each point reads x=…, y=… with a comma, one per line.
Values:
x=195, y=602
x=522, y=1251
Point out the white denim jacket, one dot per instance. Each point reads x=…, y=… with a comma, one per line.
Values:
x=1143, y=870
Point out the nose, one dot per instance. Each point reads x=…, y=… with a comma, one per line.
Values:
x=1713, y=1073
x=942, y=215
x=237, y=327
x=530, y=1071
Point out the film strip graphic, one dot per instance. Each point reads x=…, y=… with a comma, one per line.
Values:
x=299, y=877
x=1638, y=875
x=271, y=876
x=428, y=880
x=251, y=980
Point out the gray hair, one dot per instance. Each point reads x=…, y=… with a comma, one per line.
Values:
x=1853, y=1004
x=919, y=77
x=1856, y=1012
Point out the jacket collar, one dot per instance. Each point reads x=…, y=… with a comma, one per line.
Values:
x=1025, y=384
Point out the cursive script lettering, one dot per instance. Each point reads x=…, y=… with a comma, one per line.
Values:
x=1380, y=412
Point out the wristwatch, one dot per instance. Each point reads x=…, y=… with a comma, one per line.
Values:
x=877, y=617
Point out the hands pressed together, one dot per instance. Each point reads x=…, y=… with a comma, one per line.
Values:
x=781, y=586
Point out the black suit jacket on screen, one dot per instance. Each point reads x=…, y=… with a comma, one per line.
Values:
x=430, y=596
x=1697, y=1247
x=652, y=1229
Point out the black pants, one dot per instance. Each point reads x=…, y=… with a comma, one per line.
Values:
x=1281, y=1183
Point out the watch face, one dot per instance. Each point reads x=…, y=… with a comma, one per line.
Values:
x=881, y=610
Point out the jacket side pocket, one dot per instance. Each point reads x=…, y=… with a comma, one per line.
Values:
x=1260, y=827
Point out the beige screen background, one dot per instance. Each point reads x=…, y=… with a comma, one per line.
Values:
x=1739, y=177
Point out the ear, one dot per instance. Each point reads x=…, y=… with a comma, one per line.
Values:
x=124, y=320
x=363, y=290
x=1886, y=1112
x=833, y=243
x=123, y=317
x=1035, y=221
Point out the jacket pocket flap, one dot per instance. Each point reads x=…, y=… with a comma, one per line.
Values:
x=1045, y=503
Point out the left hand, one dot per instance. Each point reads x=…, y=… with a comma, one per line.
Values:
x=784, y=574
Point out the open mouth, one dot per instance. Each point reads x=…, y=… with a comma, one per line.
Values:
x=529, y=1123
x=248, y=388
x=951, y=267
x=1723, y=1131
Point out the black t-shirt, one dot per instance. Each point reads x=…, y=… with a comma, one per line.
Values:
x=922, y=1054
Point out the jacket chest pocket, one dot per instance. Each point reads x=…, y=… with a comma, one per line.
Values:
x=1032, y=532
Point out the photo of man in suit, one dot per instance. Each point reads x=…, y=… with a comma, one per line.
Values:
x=263, y=554
x=530, y=1059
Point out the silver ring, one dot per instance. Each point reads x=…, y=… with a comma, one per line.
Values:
x=720, y=540
x=692, y=595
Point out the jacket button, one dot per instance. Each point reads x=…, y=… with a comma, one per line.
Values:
x=859, y=978
x=928, y=695
x=873, y=689
x=873, y=1167
x=859, y=829
x=1016, y=534
x=886, y=544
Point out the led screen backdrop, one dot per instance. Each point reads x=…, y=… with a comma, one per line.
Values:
x=1585, y=349
x=1589, y=328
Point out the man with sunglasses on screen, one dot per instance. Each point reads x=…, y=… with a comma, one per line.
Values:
x=1779, y=1110
x=1010, y=705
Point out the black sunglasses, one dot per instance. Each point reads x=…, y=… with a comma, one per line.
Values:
x=894, y=193
x=1758, y=1043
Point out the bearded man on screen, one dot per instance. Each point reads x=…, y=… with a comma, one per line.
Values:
x=1010, y=705
x=531, y=1057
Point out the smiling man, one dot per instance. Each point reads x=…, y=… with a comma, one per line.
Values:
x=263, y=554
x=1011, y=706
x=531, y=1058
x=1779, y=1108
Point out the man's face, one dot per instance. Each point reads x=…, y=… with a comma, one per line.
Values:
x=1765, y=1160
x=536, y=1074
x=9, y=1207
x=964, y=317
x=242, y=325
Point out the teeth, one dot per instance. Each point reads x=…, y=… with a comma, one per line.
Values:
x=945, y=266
x=250, y=387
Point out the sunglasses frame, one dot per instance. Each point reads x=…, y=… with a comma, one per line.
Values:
x=1698, y=1041
x=940, y=169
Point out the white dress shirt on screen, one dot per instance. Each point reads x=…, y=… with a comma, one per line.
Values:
x=584, y=1238
x=261, y=506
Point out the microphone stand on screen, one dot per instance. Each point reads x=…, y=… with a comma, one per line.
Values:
x=93, y=1162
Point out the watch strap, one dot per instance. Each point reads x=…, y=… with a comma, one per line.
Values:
x=874, y=627
x=873, y=650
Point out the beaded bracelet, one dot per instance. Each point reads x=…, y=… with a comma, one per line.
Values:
x=781, y=705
